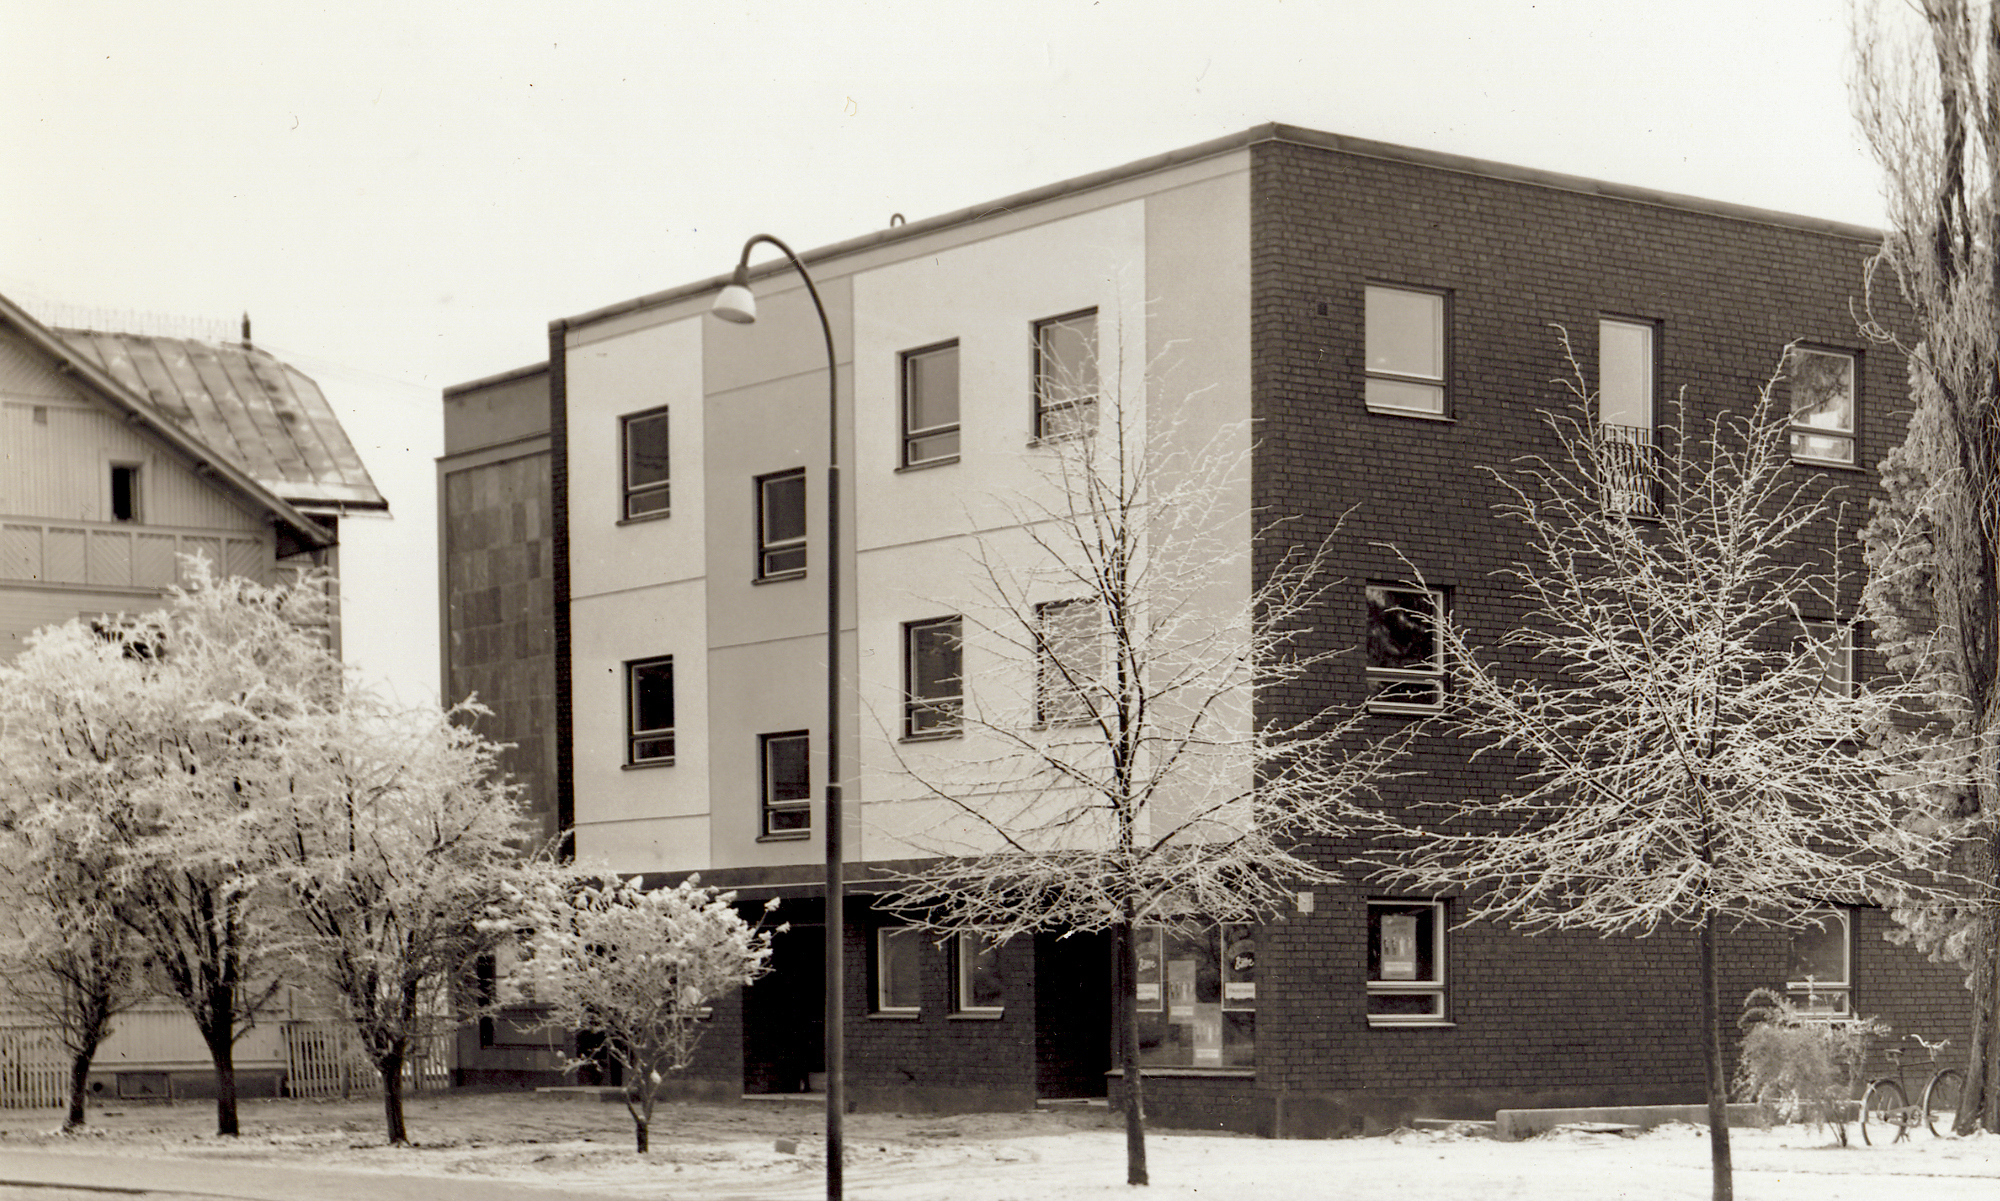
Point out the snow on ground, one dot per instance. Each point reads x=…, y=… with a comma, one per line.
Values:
x=731, y=1153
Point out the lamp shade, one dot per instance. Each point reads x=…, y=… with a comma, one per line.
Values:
x=735, y=303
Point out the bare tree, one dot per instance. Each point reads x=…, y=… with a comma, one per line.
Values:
x=1689, y=753
x=1113, y=773
x=639, y=967
x=397, y=849
x=1928, y=99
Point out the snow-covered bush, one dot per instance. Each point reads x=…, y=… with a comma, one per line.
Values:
x=1806, y=1068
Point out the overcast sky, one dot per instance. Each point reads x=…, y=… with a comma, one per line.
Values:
x=403, y=193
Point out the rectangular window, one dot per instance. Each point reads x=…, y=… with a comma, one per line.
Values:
x=1405, y=667
x=643, y=437
x=1820, y=384
x=1406, y=962
x=1197, y=987
x=781, y=525
x=125, y=493
x=1406, y=350
x=649, y=694
x=898, y=969
x=1818, y=972
x=787, y=772
x=975, y=968
x=1066, y=375
x=930, y=405
x=1069, y=661
x=1626, y=377
x=1831, y=645
x=933, y=674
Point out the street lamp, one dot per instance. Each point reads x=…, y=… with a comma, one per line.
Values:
x=736, y=303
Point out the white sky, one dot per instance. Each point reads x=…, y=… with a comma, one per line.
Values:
x=403, y=193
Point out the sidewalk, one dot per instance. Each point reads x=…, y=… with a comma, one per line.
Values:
x=258, y=1181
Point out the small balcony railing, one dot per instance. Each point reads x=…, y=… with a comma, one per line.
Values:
x=1629, y=460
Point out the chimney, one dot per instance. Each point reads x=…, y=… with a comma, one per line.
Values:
x=246, y=329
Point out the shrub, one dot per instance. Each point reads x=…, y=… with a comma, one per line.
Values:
x=1805, y=1067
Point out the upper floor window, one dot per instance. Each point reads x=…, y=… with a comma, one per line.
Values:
x=1626, y=376
x=1818, y=969
x=930, y=405
x=787, y=776
x=1066, y=375
x=1820, y=385
x=643, y=441
x=781, y=525
x=1831, y=645
x=1405, y=666
x=1069, y=658
x=125, y=492
x=934, y=683
x=649, y=707
x=1405, y=350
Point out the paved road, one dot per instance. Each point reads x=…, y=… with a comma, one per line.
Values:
x=30, y=1175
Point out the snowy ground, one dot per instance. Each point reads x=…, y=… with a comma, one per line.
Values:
x=723, y=1153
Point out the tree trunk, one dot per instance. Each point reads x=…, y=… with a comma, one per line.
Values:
x=79, y=1080
x=222, y=1049
x=1127, y=979
x=391, y=1067
x=1718, y=1100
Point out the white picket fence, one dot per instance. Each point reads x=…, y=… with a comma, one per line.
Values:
x=322, y=1059
x=33, y=1068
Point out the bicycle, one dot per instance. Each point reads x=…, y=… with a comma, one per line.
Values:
x=1886, y=1102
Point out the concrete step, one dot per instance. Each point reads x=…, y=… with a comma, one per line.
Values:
x=1511, y=1125
x=1466, y=1126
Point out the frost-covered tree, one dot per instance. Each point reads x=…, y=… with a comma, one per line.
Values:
x=396, y=845
x=1927, y=92
x=1113, y=773
x=65, y=956
x=192, y=710
x=638, y=966
x=1690, y=756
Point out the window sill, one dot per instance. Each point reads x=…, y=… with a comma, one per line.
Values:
x=976, y=1015
x=1827, y=464
x=787, y=836
x=933, y=736
x=642, y=518
x=780, y=578
x=1413, y=414
x=895, y=1015
x=1405, y=710
x=1194, y=1073
x=1379, y=1023
x=644, y=764
x=927, y=464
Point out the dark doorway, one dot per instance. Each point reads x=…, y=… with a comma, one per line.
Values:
x=784, y=1015
x=1072, y=1014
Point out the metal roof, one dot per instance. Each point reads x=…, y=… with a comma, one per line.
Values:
x=264, y=415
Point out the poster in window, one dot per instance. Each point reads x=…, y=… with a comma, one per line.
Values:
x=1180, y=990
x=1239, y=967
x=1208, y=1035
x=1399, y=946
x=1147, y=952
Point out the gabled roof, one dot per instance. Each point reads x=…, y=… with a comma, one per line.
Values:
x=144, y=414
x=263, y=414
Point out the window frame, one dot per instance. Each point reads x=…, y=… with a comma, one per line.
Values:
x=963, y=958
x=1832, y=643
x=767, y=546
x=771, y=806
x=1438, y=385
x=881, y=1004
x=629, y=491
x=1797, y=430
x=947, y=710
x=1381, y=679
x=1050, y=681
x=1379, y=985
x=636, y=735
x=1081, y=408
x=1802, y=991
x=907, y=392
x=135, y=505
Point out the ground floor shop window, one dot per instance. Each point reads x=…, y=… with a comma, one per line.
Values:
x=1818, y=974
x=1197, y=992
x=1406, y=963
x=898, y=969
x=975, y=968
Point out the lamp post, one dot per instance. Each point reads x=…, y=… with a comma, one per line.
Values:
x=736, y=303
